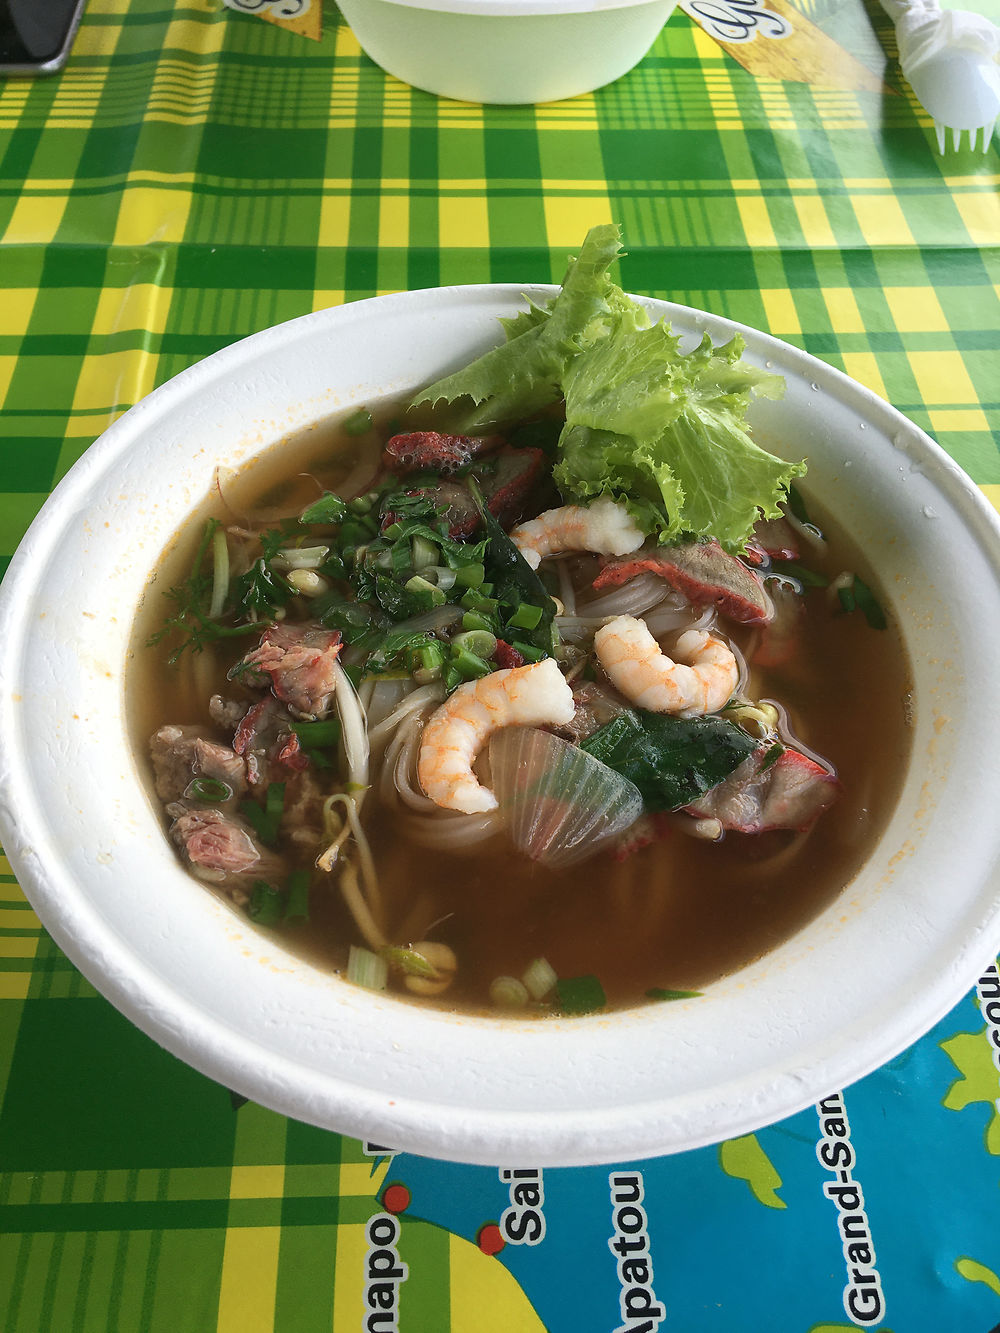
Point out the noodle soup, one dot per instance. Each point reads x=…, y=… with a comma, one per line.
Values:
x=258, y=764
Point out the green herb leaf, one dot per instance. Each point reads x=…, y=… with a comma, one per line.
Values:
x=329, y=508
x=672, y=760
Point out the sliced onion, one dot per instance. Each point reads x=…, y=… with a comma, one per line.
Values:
x=559, y=803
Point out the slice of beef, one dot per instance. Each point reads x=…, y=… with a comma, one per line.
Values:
x=789, y=793
x=219, y=846
x=228, y=713
x=181, y=754
x=300, y=662
x=266, y=742
x=429, y=449
x=594, y=707
x=704, y=573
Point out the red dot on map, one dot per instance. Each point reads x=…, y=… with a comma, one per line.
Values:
x=396, y=1199
x=489, y=1239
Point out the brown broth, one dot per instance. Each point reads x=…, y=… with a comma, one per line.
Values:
x=677, y=914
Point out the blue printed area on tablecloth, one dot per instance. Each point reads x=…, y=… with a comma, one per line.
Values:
x=744, y=1236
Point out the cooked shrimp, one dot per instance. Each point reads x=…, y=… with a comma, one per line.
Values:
x=604, y=527
x=527, y=696
x=698, y=679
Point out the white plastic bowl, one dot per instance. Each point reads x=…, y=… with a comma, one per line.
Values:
x=506, y=50
x=847, y=993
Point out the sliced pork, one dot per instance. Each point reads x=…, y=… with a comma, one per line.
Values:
x=704, y=573
x=786, y=793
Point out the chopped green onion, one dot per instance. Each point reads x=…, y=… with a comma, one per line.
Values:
x=540, y=978
x=408, y=961
x=367, y=969
x=475, y=600
x=208, y=789
x=424, y=588
x=423, y=553
x=508, y=993
x=471, y=575
x=580, y=995
x=868, y=604
x=297, y=905
x=317, y=735
x=440, y=575
x=527, y=616
x=266, y=819
x=793, y=569
x=479, y=641
x=528, y=651
x=473, y=620
x=359, y=422
x=469, y=666
x=362, y=504
x=300, y=557
x=451, y=676
x=666, y=993
x=265, y=905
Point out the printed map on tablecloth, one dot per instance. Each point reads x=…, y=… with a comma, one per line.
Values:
x=876, y=1209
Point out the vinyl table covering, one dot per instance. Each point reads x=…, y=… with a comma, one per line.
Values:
x=196, y=174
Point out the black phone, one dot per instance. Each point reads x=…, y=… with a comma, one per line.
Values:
x=36, y=35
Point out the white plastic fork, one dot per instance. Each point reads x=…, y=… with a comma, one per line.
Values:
x=949, y=58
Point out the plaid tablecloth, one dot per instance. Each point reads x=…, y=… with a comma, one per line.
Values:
x=195, y=175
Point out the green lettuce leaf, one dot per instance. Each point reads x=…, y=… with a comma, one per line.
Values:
x=524, y=374
x=666, y=433
x=663, y=432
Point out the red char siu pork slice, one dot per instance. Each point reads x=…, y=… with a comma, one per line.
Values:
x=506, y=490
x=422, y=450
x=704, y=573
x=773, y=539
x=264, y=738
x=219, y=846
x=300, y=661
x=506, y=487
x=788, y=793
x=181, y=754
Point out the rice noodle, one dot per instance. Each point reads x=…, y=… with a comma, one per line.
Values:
x=633, y=598
x=386, y=694
x=419, y=699
x=450, y=832
x=666, y=617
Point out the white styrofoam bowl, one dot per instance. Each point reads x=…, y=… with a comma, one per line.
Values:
x=847, y=993
x=506, y=50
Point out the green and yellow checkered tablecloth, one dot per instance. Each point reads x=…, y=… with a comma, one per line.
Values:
x=195, y=175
